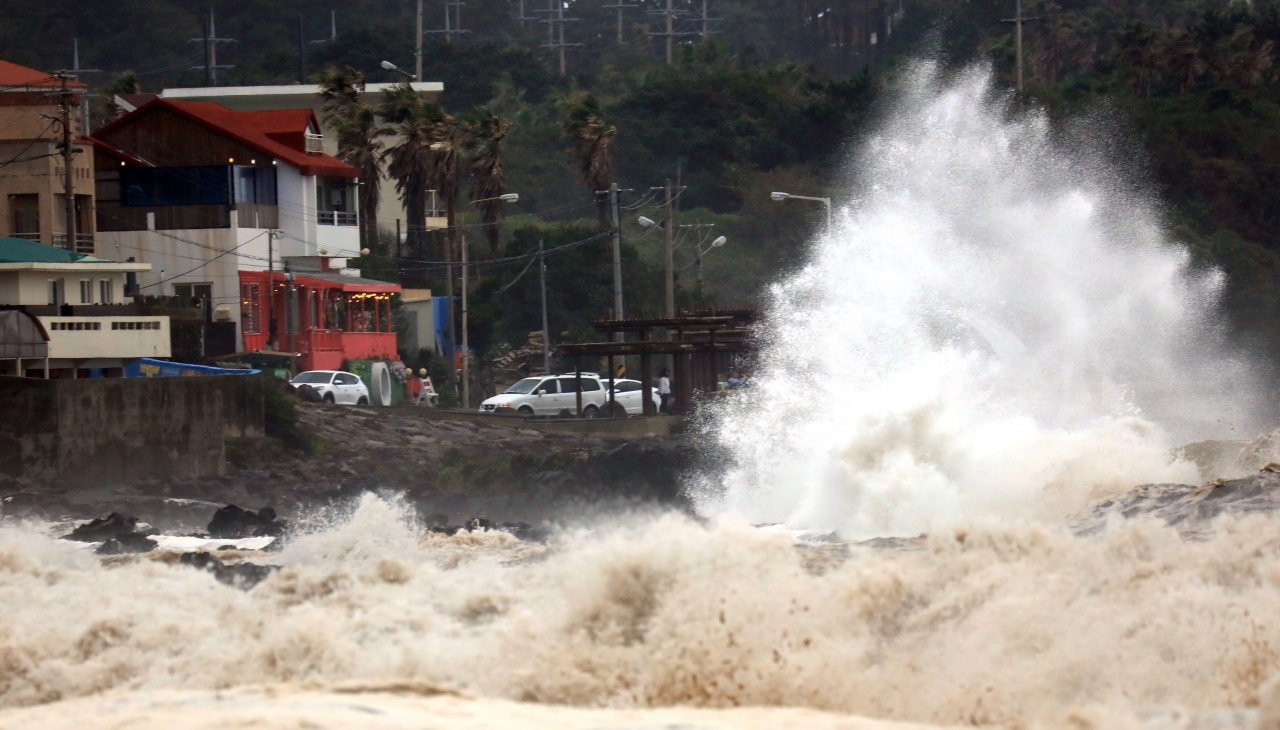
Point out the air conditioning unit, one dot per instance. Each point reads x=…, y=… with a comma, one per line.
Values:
x=222, y=313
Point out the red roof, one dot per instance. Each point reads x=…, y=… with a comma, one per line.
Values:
x=13, y=75
x=280, y=134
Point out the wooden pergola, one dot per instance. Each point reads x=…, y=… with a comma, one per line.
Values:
x=701, y=345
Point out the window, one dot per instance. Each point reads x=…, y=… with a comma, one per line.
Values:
x=55, y=293
x=86, y=291
x=345, y=379
x=250, y=309
x=106, y=293
x=626, y=386
x=255, y=184
x=24, y=216
x=568, y=385
x=590, y=385
x=313, y=378
x=193, y=291
x=157, y=186
x=548, y=386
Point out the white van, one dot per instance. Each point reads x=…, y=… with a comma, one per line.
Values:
x=547, y=395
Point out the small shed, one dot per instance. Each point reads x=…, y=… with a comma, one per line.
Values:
x=22, y=337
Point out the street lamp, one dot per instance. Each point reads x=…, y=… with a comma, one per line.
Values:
x=697, y=262
x=778, y=197
x=392, y=67
x=466, y=354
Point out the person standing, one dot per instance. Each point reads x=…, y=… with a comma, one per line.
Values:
x=664, y=390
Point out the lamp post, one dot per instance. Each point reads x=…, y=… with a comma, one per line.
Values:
x=697, y=262
x=466, y=353
x=392, y=67
x=825, y=202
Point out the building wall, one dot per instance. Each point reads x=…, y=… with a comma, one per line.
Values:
x=296, y=194
x=338, y=240
x=78, y=434
x=107, y=338
x=31, y=287
x=43, y=177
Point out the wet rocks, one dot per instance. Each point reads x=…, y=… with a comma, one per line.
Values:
x=238, y=575
x=127, y=544
x=1187, y=507
x=233, y=522
x=114, y=526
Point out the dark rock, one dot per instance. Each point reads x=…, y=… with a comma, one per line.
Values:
x=449, y=530
x=233, y=522
x=1187, y=507
x=238, y=575
x=112, y=527
x=478, y=523
x=525, y=531
x=127, y=544
x=309, y=393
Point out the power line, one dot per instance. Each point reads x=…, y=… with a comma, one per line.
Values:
x=211, y=41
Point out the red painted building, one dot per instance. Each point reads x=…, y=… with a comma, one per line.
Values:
x=326, y=316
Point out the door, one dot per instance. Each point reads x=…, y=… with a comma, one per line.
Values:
x=546, y=403
x=347, y=388
x=568, y=398
x=628, y=395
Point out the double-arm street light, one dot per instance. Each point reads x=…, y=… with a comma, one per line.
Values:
x=466, y=353
x=698, y=249
x=825, y=202
x=392, y=67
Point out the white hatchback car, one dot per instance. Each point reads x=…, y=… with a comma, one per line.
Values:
x=630, y=395
x=335, y=386
x=547, y=395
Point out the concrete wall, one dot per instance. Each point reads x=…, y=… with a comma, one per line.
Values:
x=78, y=434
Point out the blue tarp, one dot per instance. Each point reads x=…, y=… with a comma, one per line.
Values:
x=444, y=346
x=149, y=368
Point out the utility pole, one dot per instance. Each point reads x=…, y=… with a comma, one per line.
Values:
x=669, y=14
x=546, y=331
x=451, y=28
x=669, y=254
x=68, y=156
x=619, y=6
x=617, y=255
x=555, y=21
x=417, y=48
x=1017, y=22
x=211, y=40
x=466, y=354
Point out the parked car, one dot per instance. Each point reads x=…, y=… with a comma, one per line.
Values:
x=334, y=386
x=547, y=395
x=630, y=395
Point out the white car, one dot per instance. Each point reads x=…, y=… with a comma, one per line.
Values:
x=630, y=395
x=335, y=386
x=547, y=395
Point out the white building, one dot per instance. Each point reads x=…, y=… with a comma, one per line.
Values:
x=79, y=302
x=202, y=192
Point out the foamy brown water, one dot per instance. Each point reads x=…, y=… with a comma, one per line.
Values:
x=999, y=624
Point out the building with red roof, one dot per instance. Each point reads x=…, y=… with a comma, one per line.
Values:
x=33, y=204
x=213, y=198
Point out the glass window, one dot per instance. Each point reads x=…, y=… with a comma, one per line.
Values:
x=86, y=291
x=346, y=379
x=157, y=186
x=590, y=385
x=523, y=387
x=106, y=295
x=55, y=292
x=549, y=386
x=569, y=385
x=626, y=386
x=250, y=309
x=313, y=378
x=255, y=184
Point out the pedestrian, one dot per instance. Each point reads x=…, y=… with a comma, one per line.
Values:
x=664, y=390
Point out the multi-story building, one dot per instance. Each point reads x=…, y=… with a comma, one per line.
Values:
x=300, y=97
x=214, y=198
x=84, y=307
x=32, y=184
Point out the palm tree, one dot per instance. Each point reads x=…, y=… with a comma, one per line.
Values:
x=356, y=125
x=585, y=126
x=482, y=135
x=409, y=161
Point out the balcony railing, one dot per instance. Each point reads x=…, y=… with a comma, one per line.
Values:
x=84, y=241
x=336, y=218
x=315, y=143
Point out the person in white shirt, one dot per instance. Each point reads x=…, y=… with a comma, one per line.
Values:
x=664, y=390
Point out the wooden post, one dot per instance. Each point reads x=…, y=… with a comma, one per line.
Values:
x=646, y=376
x=577, y=381
x=613, y=400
